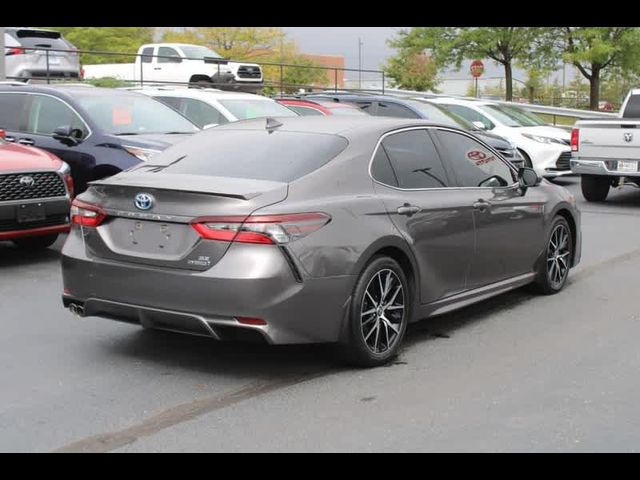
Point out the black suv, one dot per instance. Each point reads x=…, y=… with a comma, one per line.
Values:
x=97, y=131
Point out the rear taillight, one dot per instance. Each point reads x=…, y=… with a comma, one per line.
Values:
x=86, y=215
x=266, y=229
x=575, y=138
x=68, y=180
x=3, y=134
x=14, y=51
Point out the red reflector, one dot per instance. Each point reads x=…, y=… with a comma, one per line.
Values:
x=575, y=139
x=14, y=51
x=251, y=321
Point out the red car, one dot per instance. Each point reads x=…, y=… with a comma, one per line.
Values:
x=319, y=107
x=36, y=189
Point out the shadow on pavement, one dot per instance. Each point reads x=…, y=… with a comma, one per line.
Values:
x=11, y=256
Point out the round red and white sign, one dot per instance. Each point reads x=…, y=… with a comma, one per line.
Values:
x=477, y=68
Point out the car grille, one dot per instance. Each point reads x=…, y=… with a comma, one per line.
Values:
x=51, y=221
x=245, y=71
x=45, y=185
x=564, y=161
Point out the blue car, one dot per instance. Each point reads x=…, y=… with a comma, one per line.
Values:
x=97, y=131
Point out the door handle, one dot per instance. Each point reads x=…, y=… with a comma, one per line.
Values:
x=408, y=210
x=158, y=68
x=26, y=141
x=482, y=205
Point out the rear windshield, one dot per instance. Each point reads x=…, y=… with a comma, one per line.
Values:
x=41, y=39
x=252, y=154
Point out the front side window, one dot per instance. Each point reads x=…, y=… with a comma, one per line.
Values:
x=48, y=113
x=165, y=52
x=199, y=112
x=474, y=164
x=414, y=159
x=471, y=115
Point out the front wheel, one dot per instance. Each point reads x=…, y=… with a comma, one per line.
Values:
x=379, y=314
x=36, y=243
x=595, y=188
x=553, y=268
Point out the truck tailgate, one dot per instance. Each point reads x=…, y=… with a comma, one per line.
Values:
x=617, y=139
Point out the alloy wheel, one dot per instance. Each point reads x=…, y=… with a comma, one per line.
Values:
x=382, y=311
x=558, y=256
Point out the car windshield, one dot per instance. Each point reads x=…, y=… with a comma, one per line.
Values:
x=252, y=154
x=440, y=114
x=198, y=53
x=123, y=113
x=244, y=109
x=513, y=117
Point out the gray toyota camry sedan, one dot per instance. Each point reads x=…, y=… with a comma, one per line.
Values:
x=315, y=229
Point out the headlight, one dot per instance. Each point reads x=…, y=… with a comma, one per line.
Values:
x=539, y=139
x=143, y=154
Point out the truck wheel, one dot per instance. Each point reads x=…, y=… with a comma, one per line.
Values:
x=595, y=188
x=36, y=243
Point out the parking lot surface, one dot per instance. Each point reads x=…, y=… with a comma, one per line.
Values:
x=519, y=372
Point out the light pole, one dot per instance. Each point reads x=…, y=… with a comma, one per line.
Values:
x=360, y=63
x=3, y=75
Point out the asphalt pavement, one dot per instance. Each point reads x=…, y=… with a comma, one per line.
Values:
x=519, y=372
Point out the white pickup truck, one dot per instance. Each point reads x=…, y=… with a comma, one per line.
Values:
x=184, y=64
x=606, y=153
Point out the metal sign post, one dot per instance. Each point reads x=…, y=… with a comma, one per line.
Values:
x=3, y=73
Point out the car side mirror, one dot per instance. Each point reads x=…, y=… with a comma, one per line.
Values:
x=67, y=135
x=479, y=125
x=527, y=177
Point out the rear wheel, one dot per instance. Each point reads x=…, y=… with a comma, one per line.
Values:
x=553, y=268
x=36, y=243
x=379, y=314
x=595, y=188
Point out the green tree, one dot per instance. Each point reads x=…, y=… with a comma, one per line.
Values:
x=596, y=50
x=107, y=39
x=413, y=71
x=504, y=45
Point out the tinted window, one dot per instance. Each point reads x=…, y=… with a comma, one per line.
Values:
x=41, y=39
x=12, y=106
x=197, y=111
x=121, y=113
x=305, y=111
x=255, y=154
x=414, y=160
x=471, y=115
x=474, y=164
x=394, y=110
x=366, y=106
x=147, y=55
x=48, y=113
x=632, y=110
x=167, y=52
x=381, y=168
x=253, y=108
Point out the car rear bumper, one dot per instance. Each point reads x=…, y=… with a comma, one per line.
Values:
x=245, y=283
x=599, y=167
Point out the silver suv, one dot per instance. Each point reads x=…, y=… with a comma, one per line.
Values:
x=26, y=55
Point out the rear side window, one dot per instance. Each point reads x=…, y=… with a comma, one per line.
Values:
x=252, y=154
x=381, y=168
x=394, y=110
x=415, y=160
x=632, y=110
x=12, y=107
x=147, y=55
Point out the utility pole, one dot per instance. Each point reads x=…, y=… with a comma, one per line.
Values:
x=3, y=74
x=360, y=63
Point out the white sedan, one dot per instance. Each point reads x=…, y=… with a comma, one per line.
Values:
x=545, y=148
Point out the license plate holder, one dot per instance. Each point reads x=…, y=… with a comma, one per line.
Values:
x=31, y=212
x=627, y=166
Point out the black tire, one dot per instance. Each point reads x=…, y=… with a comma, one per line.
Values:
x=527, y=159
x=555, y=263
x=36, y=243
x=595, y=188
x=389, y=328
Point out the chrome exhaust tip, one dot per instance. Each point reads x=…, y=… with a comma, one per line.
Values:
x=77, y=310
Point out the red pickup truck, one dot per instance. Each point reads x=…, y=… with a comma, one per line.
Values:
x=36, y=189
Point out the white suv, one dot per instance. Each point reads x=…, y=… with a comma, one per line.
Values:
x=208, y=107
x=545, y=148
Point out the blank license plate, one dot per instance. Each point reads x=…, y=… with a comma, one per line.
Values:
x=31, y=212
x=624, y=166
x=54, y=60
